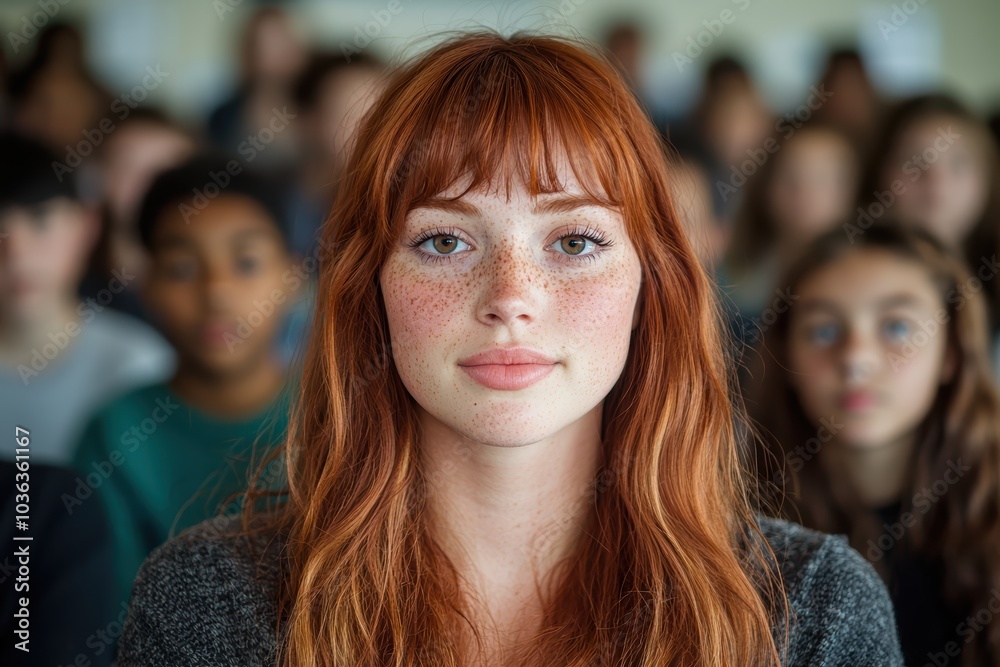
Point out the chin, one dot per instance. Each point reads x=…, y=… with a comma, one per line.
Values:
x=504, y=439
x=496, y=435
x=863, y=437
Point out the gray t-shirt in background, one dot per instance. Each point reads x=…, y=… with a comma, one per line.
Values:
x=53, y=395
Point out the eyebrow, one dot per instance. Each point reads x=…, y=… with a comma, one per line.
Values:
x=562, y=204
x=892, y=301
x=251, y=234
x=178, y=241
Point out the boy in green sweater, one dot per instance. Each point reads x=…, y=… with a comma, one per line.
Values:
x=168, y=456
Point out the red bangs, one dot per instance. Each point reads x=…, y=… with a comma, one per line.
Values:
x=490, y=115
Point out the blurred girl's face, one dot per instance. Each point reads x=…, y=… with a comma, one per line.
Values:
x=943, y=177
x=735, y=121
x=867, y=347
x=562, y=281
x=813, y=185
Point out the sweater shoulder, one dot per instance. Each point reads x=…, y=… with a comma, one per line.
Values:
x=206, y=597
x=796, y=549
x=840, y=611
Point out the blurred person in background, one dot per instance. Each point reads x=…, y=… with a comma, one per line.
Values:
x=54, y=96
x=4, y=83
x=879, y=418
x=692, y=192
x=994, y=124
x=624, y=43
x=70, y=606
x=805, y=187
x=730, y=118
x=60, y=357
x=936, y=167
x=331, y=97
x=271, y=56
x=853, y=104
x=219, y=274
x=142, y=145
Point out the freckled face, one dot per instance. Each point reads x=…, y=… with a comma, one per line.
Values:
x=459, y=283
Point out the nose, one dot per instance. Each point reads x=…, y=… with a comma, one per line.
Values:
x=860, y=357
x=217, y=286
x=512, y=287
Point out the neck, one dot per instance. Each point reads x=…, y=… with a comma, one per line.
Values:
x=505, y=516
x=20, y=336
x=234, y=395
x=875, y=476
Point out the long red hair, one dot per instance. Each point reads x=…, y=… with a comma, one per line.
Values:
x=674, y=569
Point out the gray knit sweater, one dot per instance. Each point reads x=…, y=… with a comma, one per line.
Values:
x=201, y=600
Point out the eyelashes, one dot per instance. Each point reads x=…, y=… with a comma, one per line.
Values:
x=598, y=238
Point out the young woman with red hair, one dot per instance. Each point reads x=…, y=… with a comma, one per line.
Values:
x=514, y=443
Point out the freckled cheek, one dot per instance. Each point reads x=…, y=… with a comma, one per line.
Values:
x=424, y=313
x=594, y=317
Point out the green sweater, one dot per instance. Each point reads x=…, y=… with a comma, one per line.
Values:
x=161, y=465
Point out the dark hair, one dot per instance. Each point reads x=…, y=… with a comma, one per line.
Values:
x=205, y=177
x=27, y=175
x=47, y=43
x=963, y=529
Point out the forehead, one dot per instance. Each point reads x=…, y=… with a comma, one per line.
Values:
x=868, y=279
x=56, y=209
x=223, y=219
x=516, y=204
x=508, y=190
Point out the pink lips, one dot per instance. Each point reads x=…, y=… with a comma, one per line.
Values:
x=508, y=368
x=218, y=334
x=856, y=401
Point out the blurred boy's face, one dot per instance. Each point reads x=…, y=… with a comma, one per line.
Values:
x=867, y=347
x=215, y=283
x=43, y=254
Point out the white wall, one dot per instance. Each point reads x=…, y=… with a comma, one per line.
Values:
x=940, y=43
